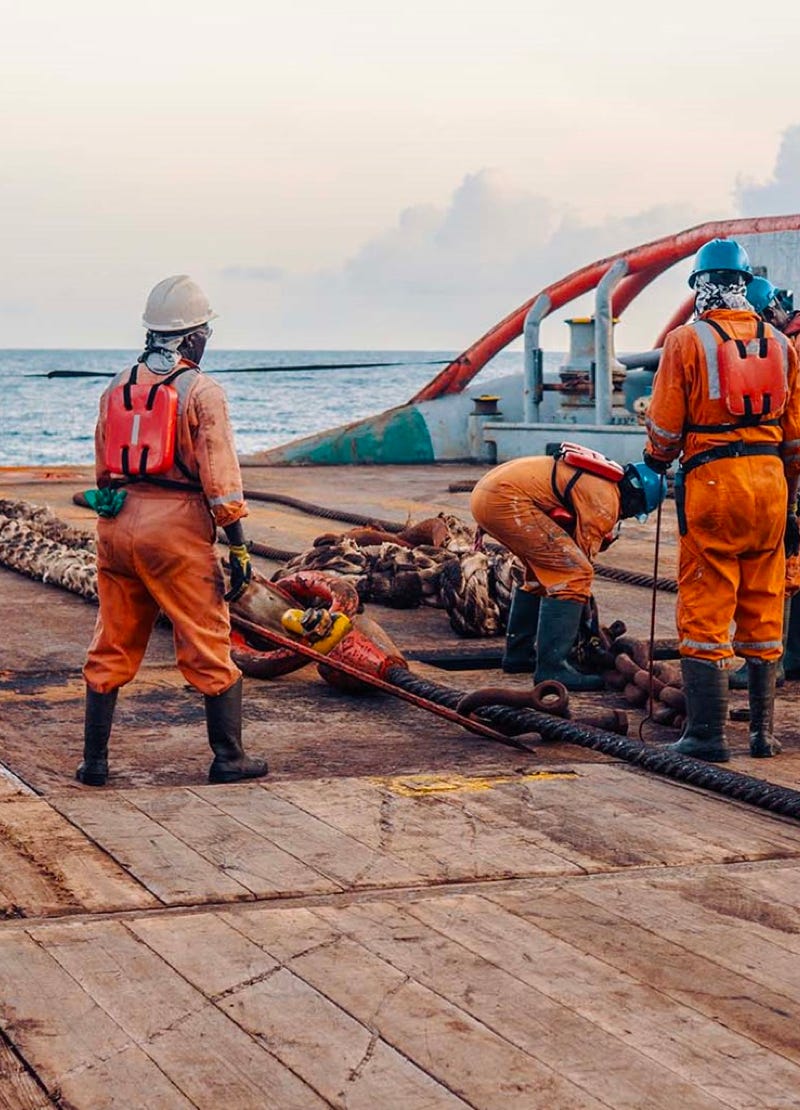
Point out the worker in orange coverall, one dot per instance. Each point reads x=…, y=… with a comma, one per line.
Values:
x=769, y=302
x=725, y=400
x=555, y=518
x=156, y=536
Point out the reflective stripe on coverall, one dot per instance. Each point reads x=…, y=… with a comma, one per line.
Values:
x=732, y=564
x=158, y=552
x=511, y=503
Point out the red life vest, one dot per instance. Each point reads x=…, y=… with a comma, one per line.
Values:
x=141, y=427
x=584, y=458
x=748, y=377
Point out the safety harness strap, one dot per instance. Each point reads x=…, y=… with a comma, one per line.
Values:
x=746, y=423
x=733, y=450
x=564, y=497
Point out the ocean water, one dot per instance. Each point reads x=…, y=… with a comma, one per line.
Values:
x=50, y=421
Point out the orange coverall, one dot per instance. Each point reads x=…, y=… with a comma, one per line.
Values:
x=792, y=332
x=731, y=564
x=158, y=552
x=512, y=502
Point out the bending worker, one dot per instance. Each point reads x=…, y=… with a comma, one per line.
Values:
x=769, y=304
x=725, y=400
x=555, y=514
x=168, y=475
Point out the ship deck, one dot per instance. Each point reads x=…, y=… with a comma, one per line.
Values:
x=403, y=914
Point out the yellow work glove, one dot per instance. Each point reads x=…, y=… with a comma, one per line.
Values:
x=241, y=571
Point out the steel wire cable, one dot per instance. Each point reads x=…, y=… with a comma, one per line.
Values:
x=733, y=784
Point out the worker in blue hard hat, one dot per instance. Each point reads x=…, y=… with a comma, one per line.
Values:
x=729, y=408
x=775, y=306
x=555, y=513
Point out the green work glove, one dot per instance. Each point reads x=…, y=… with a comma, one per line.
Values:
x=241, y=571
x=105, y=502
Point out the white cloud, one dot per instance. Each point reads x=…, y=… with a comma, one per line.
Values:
x=440, y=277
x=781, y=194
x=443, y=275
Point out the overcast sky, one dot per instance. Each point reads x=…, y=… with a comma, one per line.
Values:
x=361, y=174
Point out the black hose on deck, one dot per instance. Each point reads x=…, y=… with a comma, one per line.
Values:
x=323, y=511
x=660, y=761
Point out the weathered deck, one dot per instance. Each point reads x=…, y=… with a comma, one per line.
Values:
x=402, y=914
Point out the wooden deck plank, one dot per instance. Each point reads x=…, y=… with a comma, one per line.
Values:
x=27, y=889
x=595, y=1061
x=732, y=831
x=727, y=1065
x=762, y=1014
x=78, y=1052
x=220, y=960
x=460, y=1052
x=170, y=869
x=733, y=930
x=18, y=1089
x=11, y=786
x=636, y=808
x=255, y=863
x=205, y=949
x=779, y=887
x=334, y=854
x=347, y=1062
x=549, y=818
x=441, y=842
x=55, y=867
x=204, y=1054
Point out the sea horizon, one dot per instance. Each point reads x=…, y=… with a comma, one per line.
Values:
x=273, y=398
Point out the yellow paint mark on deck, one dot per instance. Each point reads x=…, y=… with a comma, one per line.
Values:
x=411, y=786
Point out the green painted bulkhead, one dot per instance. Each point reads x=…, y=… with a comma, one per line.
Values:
x=431, y=431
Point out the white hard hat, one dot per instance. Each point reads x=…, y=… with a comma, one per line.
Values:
x=177, y=304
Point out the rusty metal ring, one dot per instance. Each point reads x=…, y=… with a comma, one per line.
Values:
x=551, y=696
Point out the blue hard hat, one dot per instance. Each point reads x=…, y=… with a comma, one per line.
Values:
x=721, y=254
x=760, y=293
x=651, y=486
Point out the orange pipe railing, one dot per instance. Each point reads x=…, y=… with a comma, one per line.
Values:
x=644, y=264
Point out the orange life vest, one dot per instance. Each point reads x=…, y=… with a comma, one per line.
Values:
x=141, y=427
x=750, y=378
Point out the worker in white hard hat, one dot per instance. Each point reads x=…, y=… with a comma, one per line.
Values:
x=168, y=476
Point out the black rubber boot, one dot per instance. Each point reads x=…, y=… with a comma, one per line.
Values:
x=558, y=627
x=740, y=680
x=705, y=686
x=99, y=714
x=519, y=656
x=224, y=723
x=762, y=709
x=791, y=654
